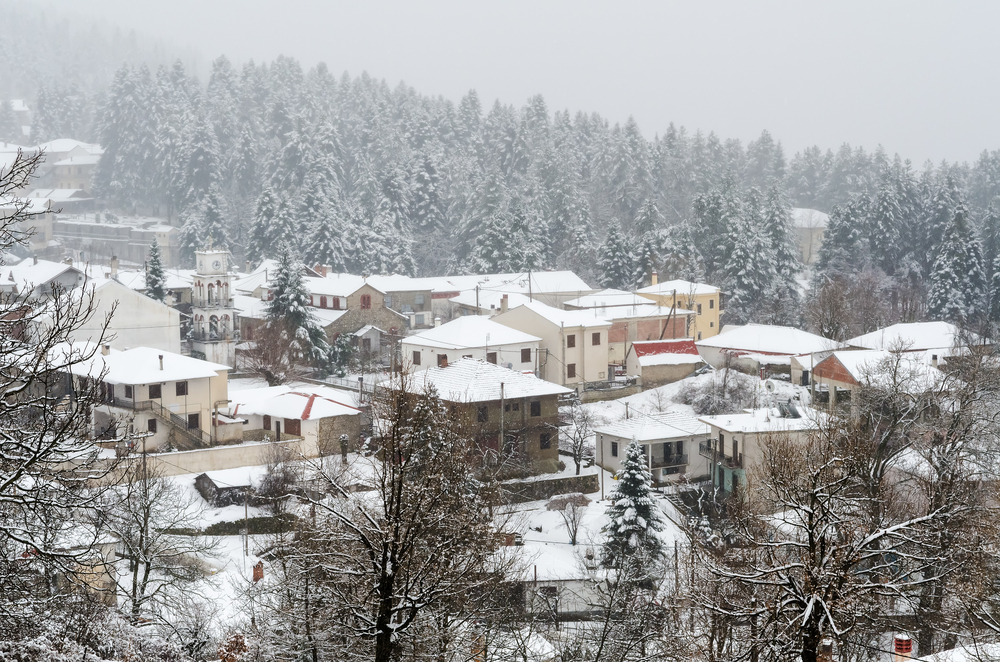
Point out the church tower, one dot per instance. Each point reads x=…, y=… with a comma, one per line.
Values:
x=213, y=329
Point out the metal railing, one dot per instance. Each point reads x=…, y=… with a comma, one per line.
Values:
x=668, y=461
x=730, y=462
x=705, y=449
x=197, y=436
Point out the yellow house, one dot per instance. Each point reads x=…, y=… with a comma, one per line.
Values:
x=705, y=301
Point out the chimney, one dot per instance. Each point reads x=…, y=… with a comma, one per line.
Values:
x=503, y=304
x=437, y=321
x=161, y=361
x=902, y=648
x=934, y=360
x=825, y=650
x=68, y=260
x=114, y=266
x=105, y=349
x=653, y=279
x=34, y=259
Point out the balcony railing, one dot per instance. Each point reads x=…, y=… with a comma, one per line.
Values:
x=705, y=449
x=730, y=462
x=218, y=335
x=668, y=461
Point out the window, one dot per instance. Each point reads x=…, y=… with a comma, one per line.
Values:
x=506, y=407
x=545, y=441
x=181, y=388
x=570, y=370
x=419, y=320
x=267, y=422
x=466, y=356
x=193, y=421
x=293, y=426
x=491, y=357
x=322, y=302
x=416, y=358
x=336, y=303
x=699, y=309
x=536, y=408
x=595, y=338
x=614, y=449
x=418, y=300
x=442, y=360
x=483, y=414
x=699, y=335
x=366, y=302
x=525, y=356
x=571, y=340
x=155, y=391
x=366, y=345
x=388, y=301
x=711, y=325
x=128, y=391
x=516, y=406
x=151, y=425
x=711, y=304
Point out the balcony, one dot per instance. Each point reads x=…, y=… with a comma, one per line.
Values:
x=668, y=461
x=730, y=462
x=705, y=449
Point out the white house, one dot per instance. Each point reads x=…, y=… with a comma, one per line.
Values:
x=137, y=320
x=756, y=345
x=32, y=278
x=916, y=337
x=471, y=337
x=669, y=440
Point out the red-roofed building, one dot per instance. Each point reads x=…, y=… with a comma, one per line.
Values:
x=659, y=362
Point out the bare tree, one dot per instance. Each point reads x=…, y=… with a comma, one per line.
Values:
x=48, y=463
x=156, y=524
x=571, y=508
x=269, y=357
x=582, y=434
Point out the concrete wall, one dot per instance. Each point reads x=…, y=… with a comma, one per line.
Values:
x=625, y=331
x=220, y=458
x=138, y=321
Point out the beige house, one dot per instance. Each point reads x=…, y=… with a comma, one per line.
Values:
x=734, y=446
x=314, y=414
x=669, y=440
x=574, y=343
x=172, y=397
x=471, y=337
x=705, y=301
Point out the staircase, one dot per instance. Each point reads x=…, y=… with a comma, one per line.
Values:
x=188, y=438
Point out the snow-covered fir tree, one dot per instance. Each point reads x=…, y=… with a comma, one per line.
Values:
x=10, y=128
x=155, y=278
x=619, y=260
x=750, y=272
x=634, y=518
x=958, y=282
x=288, y=312
x=259, y=242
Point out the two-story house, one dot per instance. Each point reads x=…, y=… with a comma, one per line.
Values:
x=574, y=343
x=703, y=300
x=513, y=415
x=169, y=396
x=669, y=440
x=471, y=337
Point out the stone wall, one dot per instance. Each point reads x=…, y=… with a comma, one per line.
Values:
x=519, y=491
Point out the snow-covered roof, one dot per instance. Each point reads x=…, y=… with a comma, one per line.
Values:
x=366, y=328
x=489, y=299
x=60, y=194
x=869, y=366
x=29, y=274
x=541, y=282
x=90, y=159
x=607, y=298
x=250, y=307
x=768, y=339
x=681, y=287
x=63, y=145
x=809, y=218
x=468, y=332
x=475, y=380
x=397, y=283
x=641, y=310
x=174, y=279
x=566, y=318
x=141, y=365
x=914, y=336
x=287, y=402
x=754, y=421
x=338, y=285
x=681, y=351
x=656, y=427
x=326, y=316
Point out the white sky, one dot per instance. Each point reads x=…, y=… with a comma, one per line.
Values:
x=920, y=78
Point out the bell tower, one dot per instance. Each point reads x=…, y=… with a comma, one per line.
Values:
x=213, y=317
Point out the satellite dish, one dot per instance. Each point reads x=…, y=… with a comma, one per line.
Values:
x=769, y=385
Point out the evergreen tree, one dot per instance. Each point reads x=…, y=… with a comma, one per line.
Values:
x=618, y=260
x=784, y=294
x=213, y=219
x=509, y=243
x=259, y=245
x=634, y=517
x=10, y=128
x=289, y=312
x=750, y=272
x=958, y=284
x=155, y=278
x=203, y=160
x=845, y=248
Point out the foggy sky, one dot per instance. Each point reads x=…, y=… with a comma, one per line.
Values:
x=918, y=78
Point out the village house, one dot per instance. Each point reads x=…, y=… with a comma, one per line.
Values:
x=810, y=228
x=836, y=379
x=573, y=346
x=659, y=362
x=630, y=324
x=172, y=397
x=670, y=442
x=137, y=320
x=943, y=337
x=498, y=403
x=32, y=279
x=486, y=302
x=734, y=444
x=313, y=414
x=552, y=288
x=761, y=346
x=88, y=240
x=703, y=300
x=471, y=337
